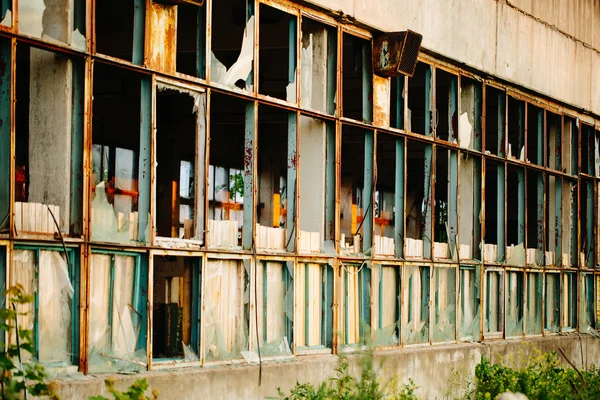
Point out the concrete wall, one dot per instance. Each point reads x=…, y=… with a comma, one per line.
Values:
x=437, y=370
x=551, y=47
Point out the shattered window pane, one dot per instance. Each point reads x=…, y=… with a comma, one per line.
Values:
x=117, y=329
x=469, y=121
x=51, y=315
x=61, y=21
x=6, y=13
x=535, y=218
x=446, y=104
x=357, y=81
x=277, y=53
x=516, y=129
x=418, y=200
x=397, y=97
x=314, y=306
x=493, y=301
x=191, y=39
x=175, y=316
x=416, y=297
x=276, y=198
x=586, y=218
x=554, y=207
x=554, y=141
x=514, y=303
x=355, y=294
x=49, y=143
x=232, y=58
x=318, y=57
x=444, y=327
x=533, y=313
x=515, y=216
x=470, y=189
x=569, y=301
x=389, y=151
x=535, y=135
x=386, y=300
x=552, y=298
x=420, y=95
x=494, y=251
x=470, y=300
x=275, y=308
x=116, y=158
x=181, y=140
x=588, y=316
x=226, y=298
x=495, y=118
x=445, y=205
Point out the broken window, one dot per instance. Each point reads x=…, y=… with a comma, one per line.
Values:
x=570, y=144
x=118, y=297
x=416, y=294
x=120, y=27
x=533, y=300
x=357, y=79
x=180, y=155
x=357, y=190
x=121, y=156
x=495, y=118
x=355, y=296
x=232, y=32
x=175, y=309
x=57, y=21
x=389, y=196
x=6, y=13
x=554, y=221
x=469, y=315
x=587, y=314
x=275, y=229
x=493, y=303
x=231, y=186
x=494, y=239
x=275, y=307
x=446, y=106
x=597, y=154
x=569, y=224
x=313, y=315
x=470, y=188
x=386, y=304
x=444, y=322
x=535, y=135
x=52, y=275
x=420, y=95
x=397, y=102
x=49, y=125
x=552, y=299
x=317, y=164
x=418, y=226
x=516, y=129
x=470, y=119
x=514, y=303
x=277, y=53
x=191, y=39
x=5, y=134
x=318, y=73
x=515, y=216
x=586, y=220
x=446, y=204
x=226, y=309
x=535, y=218
x=569, y=301
x=554, y=141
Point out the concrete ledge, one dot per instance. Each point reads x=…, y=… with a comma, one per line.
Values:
x=438, y=370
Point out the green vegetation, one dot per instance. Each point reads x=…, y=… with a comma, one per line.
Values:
x=137, y=391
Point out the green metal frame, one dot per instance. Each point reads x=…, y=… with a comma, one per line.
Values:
x=5, y=117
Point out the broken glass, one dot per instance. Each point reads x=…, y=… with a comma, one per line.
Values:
x=385, y=194
x=470, y=119
x=416, y=297
x=420, y=95
x=514, y=303
x=274, y=306
x=516, y=129
x=569, y=301
x=117, y=336
x=446, y=106
x=355, y=295
x=470, y=300
x=50, y=316
x=470, y=208
x=226, y=299
x=357, y=81
x=61, y=21
x=444, y=325
x=232, y=57
x=493, y=301
x=495, y=118
x=314, y=306
x=552, y=299
x=533, y=313
x=386, y=304
x=418, y=200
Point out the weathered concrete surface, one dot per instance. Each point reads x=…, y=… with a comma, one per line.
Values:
x=551, y=47
x=437, y=370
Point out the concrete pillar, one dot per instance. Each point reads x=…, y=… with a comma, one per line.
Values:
x=50, y=116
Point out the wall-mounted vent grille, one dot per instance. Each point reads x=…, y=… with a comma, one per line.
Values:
x=396, y=53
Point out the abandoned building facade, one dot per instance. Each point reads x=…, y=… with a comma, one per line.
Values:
x=188, y=183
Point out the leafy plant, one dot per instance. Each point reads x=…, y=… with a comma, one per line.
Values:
x=16, y=378
x=137, y=391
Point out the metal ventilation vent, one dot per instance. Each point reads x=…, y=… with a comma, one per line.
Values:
x=396, y=53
